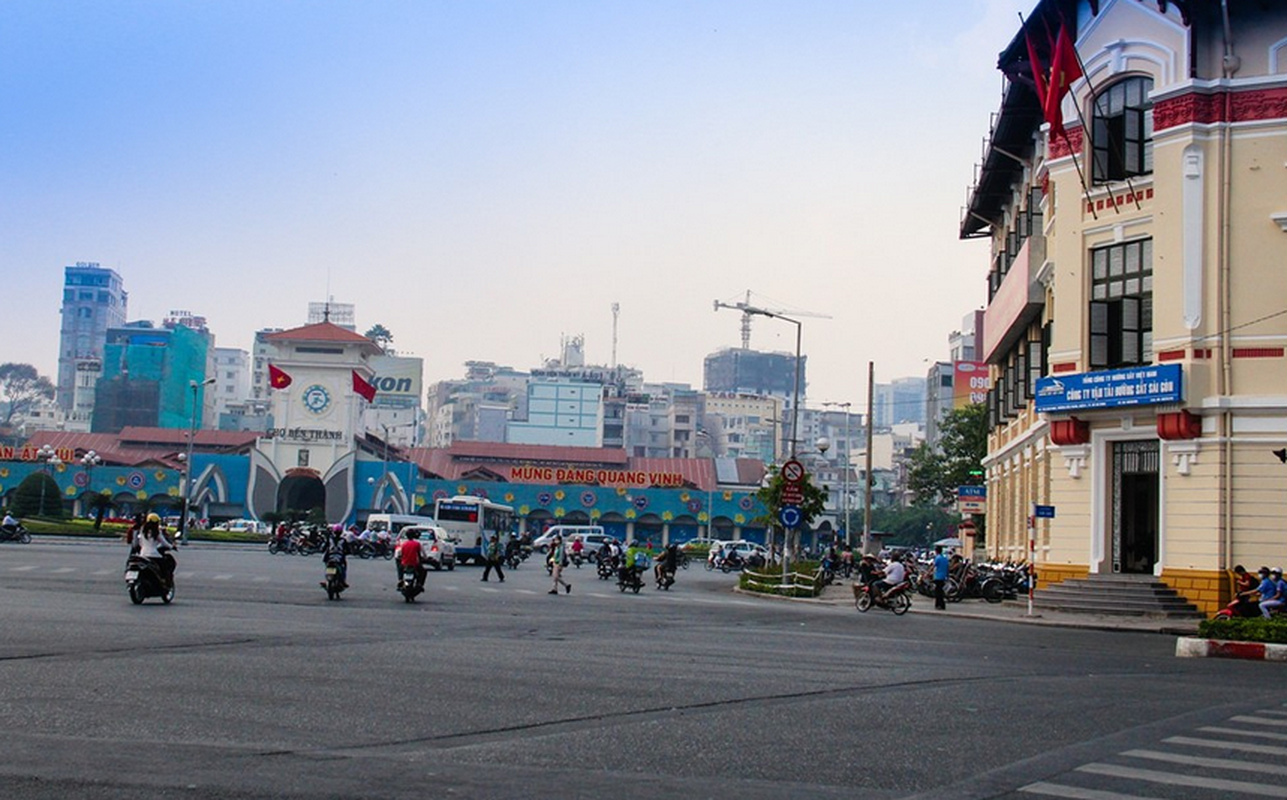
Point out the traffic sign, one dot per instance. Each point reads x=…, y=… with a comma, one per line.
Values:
x=790, y=516
x=792, y=494
x=793, y=471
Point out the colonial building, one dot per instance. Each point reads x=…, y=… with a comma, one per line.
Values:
x=1137, y=315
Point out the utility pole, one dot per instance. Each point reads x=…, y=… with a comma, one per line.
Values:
x=866, y=503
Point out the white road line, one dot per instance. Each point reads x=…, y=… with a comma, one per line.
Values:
x=220, y=577
x=260, y=579
x=1078, y=793
x=524, y=591
x=488, y=589
x=451, y=588
x=1219, y=744
x=185, y=575
x=1281, y=723
x=62, y=570
x=1272, y=712
x=27, y=568
x=103, y=572
x=1173, y=779
x=1279, y=737
x=1213, y=763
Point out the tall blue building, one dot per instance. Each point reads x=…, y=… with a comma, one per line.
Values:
x=147, y=378
x=93, y=301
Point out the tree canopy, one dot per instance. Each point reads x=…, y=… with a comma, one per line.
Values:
x=935, y=474
x=381, y=336
x=21, y=387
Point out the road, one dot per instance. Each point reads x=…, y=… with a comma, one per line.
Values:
x=253, y=684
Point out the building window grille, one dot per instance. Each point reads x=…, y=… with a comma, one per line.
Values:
x=1122, y=131
x=1121, y=307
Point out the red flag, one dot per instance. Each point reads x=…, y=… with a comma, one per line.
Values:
x=1038, y=74
x=363, y=388
x=278, y=378
x=1064, y=69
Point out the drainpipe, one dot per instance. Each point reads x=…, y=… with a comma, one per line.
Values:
x=1229, y=65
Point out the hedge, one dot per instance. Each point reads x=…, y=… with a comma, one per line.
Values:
x=1245, y=629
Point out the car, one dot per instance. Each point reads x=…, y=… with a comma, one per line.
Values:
x=591, y=543
x=541, y=544
x=439, y=548
x=242, y=526
x=747, y=549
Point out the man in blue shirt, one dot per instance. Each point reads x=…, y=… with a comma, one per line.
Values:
x=941, y=565
x=1273, y=591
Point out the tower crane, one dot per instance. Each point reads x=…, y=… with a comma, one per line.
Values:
x=749, y=310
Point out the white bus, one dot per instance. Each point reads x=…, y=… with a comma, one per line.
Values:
x=472, y=520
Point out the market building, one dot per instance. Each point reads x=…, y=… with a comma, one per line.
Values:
x=1137, y=320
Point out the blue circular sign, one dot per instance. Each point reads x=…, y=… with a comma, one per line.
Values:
x=790, y=516
x=316, y=398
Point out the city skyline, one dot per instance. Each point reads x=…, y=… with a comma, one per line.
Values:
x=483, y=179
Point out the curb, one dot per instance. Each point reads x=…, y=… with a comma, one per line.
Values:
x=1193, y=647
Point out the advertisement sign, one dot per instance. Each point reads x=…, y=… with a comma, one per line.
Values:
x=1133, y=386
x=970, y=383
x=972, y=499
x=398, y=381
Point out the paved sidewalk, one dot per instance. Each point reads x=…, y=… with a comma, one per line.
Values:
x=1016, y=611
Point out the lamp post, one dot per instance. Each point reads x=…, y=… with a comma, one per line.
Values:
x=88, y=461
x=844, y=478
x=196, y=387
x=49, y=456
x=710, y=487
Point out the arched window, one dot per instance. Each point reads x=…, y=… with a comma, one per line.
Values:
x=1122, y=130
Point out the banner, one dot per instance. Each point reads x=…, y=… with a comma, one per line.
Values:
x=969, y=383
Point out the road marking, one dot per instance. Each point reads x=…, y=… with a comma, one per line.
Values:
x=1280, y=737
x=1172, y=779
x=1077, y=792
x=27, y=568
x=62, y=570
x=1282, y=723
x=104, y=572
x=489, y=589
x=1272, y=712
x=1214, y=763
x=260, y=579
x=220, y=577
x=1241, y=747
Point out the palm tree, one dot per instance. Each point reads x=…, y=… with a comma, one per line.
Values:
x=381, y=336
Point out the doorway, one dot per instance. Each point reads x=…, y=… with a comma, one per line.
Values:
x=301, y=493
x=1136, y=495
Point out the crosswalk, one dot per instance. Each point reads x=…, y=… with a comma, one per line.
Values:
x=1240, y=757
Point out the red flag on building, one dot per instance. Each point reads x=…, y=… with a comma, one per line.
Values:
x=363, y=388
x=278, y=378
x=1038, y=74
x=1064, y=69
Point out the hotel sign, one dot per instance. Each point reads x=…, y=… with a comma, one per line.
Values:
x=1117, y=388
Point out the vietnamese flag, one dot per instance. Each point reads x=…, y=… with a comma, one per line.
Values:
x=363, y=388
x=278, y=378
x=1065, y=68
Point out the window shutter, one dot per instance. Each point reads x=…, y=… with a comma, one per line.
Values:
x=1099, y=335
x=1131, y=329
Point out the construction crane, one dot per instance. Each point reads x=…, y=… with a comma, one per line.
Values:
x=749, y=311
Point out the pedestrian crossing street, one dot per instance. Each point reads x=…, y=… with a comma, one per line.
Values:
x=1240, y=757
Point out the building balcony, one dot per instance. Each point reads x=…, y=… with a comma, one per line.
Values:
x=1017, y=302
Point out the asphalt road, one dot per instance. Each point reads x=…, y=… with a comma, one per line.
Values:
x=253, y=684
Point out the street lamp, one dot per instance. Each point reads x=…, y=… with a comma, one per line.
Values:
x=844, y=479
x=196, y=387
x=49, y=456
x=90, y=460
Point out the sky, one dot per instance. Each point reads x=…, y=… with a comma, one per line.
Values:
x=483, y=178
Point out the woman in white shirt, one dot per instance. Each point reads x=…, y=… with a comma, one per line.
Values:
x=153, y=546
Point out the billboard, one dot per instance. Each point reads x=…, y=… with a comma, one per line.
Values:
x=1114, y=388
x=398, y=381
x=969, y=383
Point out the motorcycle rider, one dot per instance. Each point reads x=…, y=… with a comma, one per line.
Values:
x=411, y=557
x=9, y=524
x=153, y=546
x=630, y=564
x=893, y=574
x=333, y=555
x=667, y=563
x=1273, y=592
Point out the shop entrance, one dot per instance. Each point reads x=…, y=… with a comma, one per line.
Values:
x=301, y=493
x=1135, y=506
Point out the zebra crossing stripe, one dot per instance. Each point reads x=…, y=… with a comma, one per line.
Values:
x=1195, y=781
x=1220, y=744
x=1280, y=737
x=1282, y=723
x=1078, y=792
x=1212, y=763
x=27, y=568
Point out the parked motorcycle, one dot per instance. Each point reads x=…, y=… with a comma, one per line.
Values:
x=898, y=601
x=1240, y=607
x=143, y=579
x=17, y=534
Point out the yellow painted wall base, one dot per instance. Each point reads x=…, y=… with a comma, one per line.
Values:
x=1050, y=574
x=1208, y=589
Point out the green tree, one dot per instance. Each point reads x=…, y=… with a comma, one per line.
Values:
x=381, y=336
x=917, y=526
x=21, y=387
x=934, y=475
x=99, y=504
x=38, y=496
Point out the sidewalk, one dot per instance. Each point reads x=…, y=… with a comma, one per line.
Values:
x=1016, y=612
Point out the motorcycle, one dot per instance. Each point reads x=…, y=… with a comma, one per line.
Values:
x=607, y=568
x=666, y=580
x=18, y=534
x=407, y=585
x=143, y=579
x=1240, y=607
x=730, y=563
x=630, y=579
x=335, y=573
x=898, y=601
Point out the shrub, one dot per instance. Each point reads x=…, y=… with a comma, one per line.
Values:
x=38, y=496
x=1243, y=629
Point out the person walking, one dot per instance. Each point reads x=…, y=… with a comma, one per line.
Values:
x=559, y=560
x=941, y=565
x=494, y=559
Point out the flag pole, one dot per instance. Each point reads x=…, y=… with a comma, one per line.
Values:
x=1086, y=130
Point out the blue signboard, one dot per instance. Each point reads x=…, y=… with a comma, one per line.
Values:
x=790, y=516
x=1043, y=512
x=1133, y=386
x=971, y=491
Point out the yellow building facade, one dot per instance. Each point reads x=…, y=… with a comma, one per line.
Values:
x=1137, y=316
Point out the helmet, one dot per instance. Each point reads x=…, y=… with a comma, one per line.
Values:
x=1276, y=571
x=154, y=517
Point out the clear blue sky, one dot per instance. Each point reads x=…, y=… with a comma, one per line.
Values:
x=481, y=177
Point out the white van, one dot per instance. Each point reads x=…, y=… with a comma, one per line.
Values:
x=542, y=542
x=393, y=523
